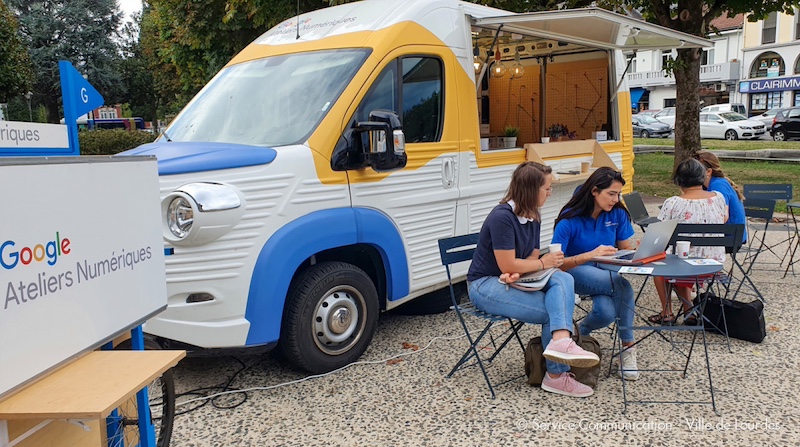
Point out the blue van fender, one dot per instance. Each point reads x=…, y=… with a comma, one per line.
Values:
x=286, y=250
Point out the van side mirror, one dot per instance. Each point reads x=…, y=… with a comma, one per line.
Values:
x=385, y=143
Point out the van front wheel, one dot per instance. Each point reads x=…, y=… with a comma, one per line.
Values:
x=330, y=317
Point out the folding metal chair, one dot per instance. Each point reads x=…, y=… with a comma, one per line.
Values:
x=459, y=249
x=759, y=219
x=778, y=193
x=712, y=235
x=638, y=210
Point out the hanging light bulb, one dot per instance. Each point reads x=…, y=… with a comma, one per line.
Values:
x=476, y=56
x=498, y=69
x=517, y=70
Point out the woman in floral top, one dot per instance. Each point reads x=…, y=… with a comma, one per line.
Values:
x=694, y=205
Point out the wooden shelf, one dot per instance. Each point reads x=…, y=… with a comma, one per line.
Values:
x=90, y=387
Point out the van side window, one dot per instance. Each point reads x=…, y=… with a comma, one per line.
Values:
x=422, y=99
x=415, y=95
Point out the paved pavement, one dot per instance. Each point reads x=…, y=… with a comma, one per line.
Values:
x=398, y=394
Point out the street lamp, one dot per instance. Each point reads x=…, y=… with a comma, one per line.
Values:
x=28, y=96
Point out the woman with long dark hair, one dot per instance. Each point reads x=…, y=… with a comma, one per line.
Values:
x=508, y=246
x=595, y=223
x=716, y=180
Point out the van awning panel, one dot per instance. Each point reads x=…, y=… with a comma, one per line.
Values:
x=594, y=27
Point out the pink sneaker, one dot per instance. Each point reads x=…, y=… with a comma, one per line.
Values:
x=567, y=352
x=566, y=385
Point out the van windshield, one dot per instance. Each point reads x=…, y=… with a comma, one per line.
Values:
x=273, y=101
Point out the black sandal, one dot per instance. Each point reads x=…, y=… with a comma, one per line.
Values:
x=691, y=320
x=664, y=320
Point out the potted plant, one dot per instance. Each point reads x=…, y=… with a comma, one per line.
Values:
x=510, y=134
x=559, y=131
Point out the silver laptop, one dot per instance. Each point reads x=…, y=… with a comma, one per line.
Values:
x=653, y=245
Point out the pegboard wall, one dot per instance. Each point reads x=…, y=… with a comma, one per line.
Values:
x=515, y=102
x=577, y=96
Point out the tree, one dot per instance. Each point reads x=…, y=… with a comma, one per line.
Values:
x=192, y=40
x=16, y=74
x=693, y=17
x=79, y=31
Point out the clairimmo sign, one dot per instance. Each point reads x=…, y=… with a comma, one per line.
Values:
x=769, y=85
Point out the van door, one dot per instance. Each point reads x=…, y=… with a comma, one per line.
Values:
x=420, y=198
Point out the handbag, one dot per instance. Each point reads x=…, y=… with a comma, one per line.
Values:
x=745, y=321
x=535, y=367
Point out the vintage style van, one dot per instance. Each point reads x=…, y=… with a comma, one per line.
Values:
x=306, y=186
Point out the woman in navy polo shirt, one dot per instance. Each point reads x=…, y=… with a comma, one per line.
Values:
x=508, y=245
x=595, y=223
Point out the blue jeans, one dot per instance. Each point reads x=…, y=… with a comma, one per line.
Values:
x=551, y=307
x=612, y=297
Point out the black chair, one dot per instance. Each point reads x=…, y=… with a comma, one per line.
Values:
x=713, y=235
x=778, y=193
x=638, y=210
x=458, y=249
x=759, y=214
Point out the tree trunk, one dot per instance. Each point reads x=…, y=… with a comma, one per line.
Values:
x=687, y=104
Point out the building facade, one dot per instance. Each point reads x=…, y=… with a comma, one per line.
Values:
x=771, y=63
x=652, y=88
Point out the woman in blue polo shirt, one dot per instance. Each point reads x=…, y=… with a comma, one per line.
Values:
x=717, y=181
x=595, y=223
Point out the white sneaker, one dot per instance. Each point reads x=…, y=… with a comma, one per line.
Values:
x=628, y=369
x=577, y=299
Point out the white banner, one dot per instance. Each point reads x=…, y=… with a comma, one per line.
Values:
x=22, y=135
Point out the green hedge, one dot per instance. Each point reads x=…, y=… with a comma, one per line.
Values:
x=109, y=142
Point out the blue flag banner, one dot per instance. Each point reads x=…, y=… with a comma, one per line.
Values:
x=79, y=98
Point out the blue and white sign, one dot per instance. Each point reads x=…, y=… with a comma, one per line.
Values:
x=21, y=138
x=79, y=98
x=769, y=85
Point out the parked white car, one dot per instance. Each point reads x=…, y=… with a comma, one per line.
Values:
x=730, y=126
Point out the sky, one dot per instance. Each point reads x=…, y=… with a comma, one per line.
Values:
x=128, y=7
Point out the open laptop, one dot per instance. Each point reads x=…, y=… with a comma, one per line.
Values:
x=639, y=214
x=652, y=248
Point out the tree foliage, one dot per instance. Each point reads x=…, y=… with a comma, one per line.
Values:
x=694, y=17
x=16, y=73
x=79, y=31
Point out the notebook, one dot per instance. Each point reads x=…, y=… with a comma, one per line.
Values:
x=652, y=248
x=533, y=281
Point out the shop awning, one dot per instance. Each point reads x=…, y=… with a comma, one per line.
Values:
x=636, y=95
x=594, y=27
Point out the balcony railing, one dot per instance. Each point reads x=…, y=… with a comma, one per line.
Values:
x=728, y=71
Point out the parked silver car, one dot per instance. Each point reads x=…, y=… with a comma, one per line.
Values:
x=666, y=116
x=646, y=127
x=767, y=117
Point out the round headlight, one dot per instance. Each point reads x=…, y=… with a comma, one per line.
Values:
x=180, y=217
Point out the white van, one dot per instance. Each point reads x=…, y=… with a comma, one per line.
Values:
x=306, y=186
x=729, y=107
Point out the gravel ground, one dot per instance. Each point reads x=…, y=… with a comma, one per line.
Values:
x=398, y=393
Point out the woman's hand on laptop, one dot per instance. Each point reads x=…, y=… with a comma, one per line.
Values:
x=603, y=250
x=509, y=278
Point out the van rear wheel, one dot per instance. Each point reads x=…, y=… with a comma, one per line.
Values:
x=330, y=317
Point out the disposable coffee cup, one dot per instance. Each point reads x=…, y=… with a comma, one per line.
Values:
x=682, y=249
x=585, y=167
x=545, y=139
x=554, y=248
